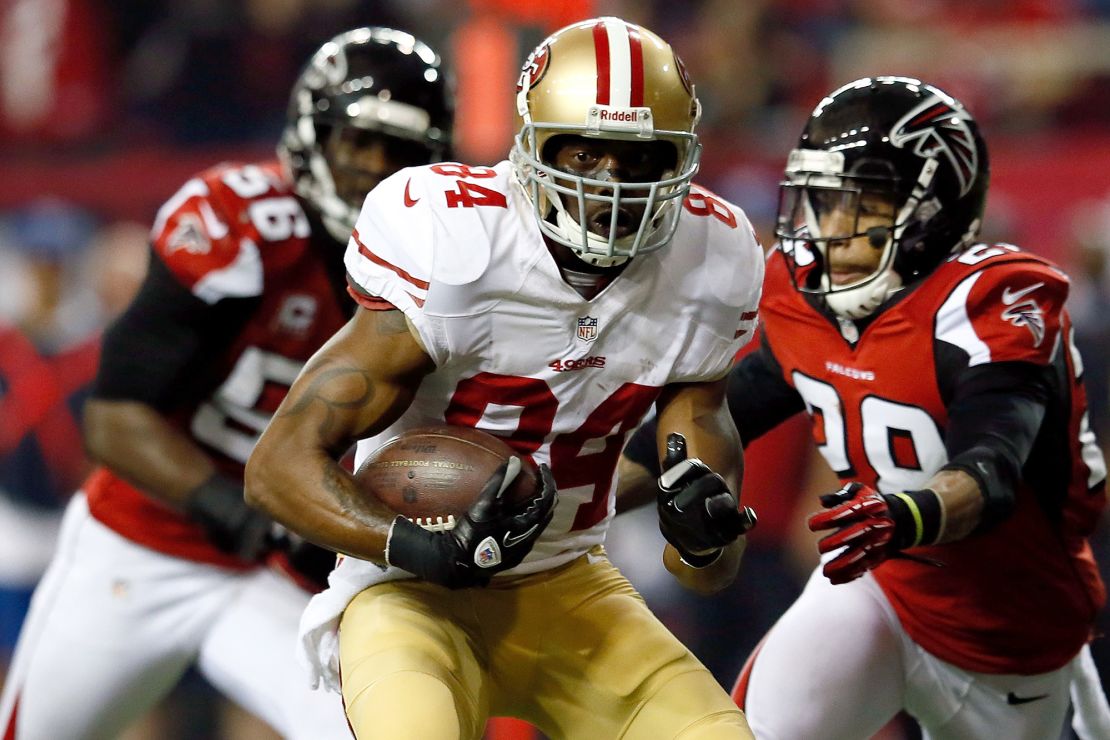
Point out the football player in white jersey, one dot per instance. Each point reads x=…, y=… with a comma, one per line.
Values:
x=161, y=565
x=550, y=300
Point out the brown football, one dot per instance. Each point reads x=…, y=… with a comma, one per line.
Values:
x=433, y=474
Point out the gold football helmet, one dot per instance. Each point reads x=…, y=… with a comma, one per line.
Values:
x=609, y=79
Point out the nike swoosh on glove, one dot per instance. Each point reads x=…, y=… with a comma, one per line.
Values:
x=491, y=537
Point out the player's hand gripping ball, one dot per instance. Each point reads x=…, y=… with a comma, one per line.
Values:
x=467, y=507
x=432, y=475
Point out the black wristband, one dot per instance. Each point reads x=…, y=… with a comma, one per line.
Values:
x=917, y=517
x=218, y=506
x=218, y=498
x=411, y=547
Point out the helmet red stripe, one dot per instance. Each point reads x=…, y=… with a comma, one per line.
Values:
x=636, y=59
x=601, y=51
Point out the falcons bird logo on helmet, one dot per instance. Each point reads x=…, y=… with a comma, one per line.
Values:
x=936, y=127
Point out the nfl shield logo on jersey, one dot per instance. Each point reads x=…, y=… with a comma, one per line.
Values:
x=488, y=553
x=587, y=328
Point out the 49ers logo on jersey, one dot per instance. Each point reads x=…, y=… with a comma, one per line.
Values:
x=563, y=366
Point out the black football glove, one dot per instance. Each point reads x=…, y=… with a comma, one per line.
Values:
x=698, y=514
x=217, y=505
x=491, y=537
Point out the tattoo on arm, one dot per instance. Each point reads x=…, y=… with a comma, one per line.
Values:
x=326, y=388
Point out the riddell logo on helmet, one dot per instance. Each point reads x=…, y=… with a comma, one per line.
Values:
x=623, y=116
x=611, y=118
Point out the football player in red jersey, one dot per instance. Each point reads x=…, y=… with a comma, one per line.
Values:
x=161, y=565
x=550, y=299
x=944, y=390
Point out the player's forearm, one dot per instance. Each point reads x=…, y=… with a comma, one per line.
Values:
x=713, y=577
x=136, y=442
x=292, y=473
x=312, y=495
x=961, y=503
x=699, y=413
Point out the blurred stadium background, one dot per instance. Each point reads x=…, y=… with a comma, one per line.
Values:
x=107, y=106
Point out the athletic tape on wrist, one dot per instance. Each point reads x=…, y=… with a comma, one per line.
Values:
x=389, y=539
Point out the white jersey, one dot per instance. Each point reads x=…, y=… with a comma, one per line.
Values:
x=522, y=355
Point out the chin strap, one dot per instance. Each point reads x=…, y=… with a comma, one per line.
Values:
x=861, y=301
x=568, y=228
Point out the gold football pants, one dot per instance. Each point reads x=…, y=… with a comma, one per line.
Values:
x=574, y=650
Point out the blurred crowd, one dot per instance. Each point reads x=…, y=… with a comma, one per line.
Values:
x=107, y=106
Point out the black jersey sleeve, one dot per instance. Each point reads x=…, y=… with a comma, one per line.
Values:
x=759, y=399
x=758, y=396
x=994, y=418
x=163, y=350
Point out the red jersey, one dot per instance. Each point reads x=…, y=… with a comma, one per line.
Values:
x=1019, y=597
x=235, y=231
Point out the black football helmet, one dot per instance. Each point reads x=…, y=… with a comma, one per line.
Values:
x=903, y=140
x=368, y=89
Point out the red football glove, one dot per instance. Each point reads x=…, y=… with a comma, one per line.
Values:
x=872, y=526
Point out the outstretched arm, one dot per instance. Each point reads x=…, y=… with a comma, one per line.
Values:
x=356, y=385
x=993, y=422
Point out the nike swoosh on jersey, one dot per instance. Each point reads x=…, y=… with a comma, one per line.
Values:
x=409, y=200
x=511, y=540
x=1010, y=298
x=1013, y=699
x=216, y=228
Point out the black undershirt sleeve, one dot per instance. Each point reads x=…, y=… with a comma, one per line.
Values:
x=758, y=396
x=759, y=399
x=994, y=417
x=164, y=349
